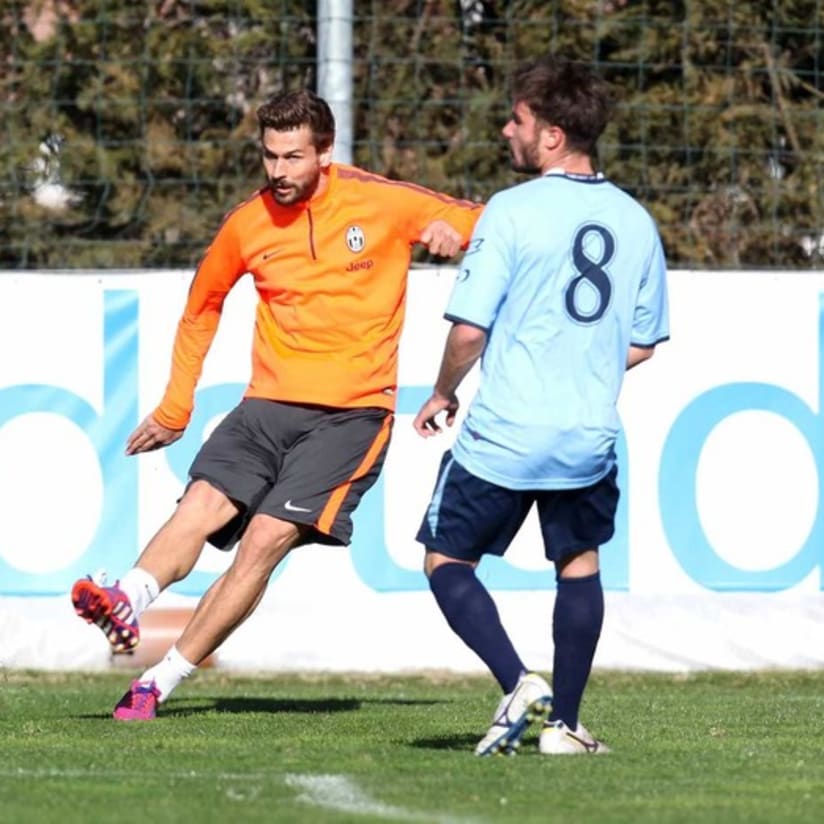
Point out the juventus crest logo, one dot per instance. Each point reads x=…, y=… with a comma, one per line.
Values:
x=355, y=239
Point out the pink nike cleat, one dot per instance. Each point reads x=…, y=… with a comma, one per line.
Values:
x=139, y=703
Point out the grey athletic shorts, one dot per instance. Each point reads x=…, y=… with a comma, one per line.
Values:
x=306, y=464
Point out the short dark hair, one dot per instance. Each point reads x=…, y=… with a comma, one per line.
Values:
x=291, y=110
x=566, y=94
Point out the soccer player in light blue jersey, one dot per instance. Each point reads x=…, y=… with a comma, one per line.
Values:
x=562, y=290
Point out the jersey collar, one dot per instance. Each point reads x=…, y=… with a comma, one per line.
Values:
x=559, y=171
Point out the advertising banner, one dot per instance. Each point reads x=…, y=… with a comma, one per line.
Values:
x=719, y=460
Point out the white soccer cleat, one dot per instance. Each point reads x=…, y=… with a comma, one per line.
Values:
x=558, y=739
x=530, y=701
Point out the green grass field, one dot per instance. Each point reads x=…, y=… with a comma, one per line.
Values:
x=705, y=748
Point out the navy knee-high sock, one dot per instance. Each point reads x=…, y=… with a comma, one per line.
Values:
x=576, y=628
x=473, y=616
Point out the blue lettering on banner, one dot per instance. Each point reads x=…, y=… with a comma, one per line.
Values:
x=679, y=466
x=114, y=544
x=116, y=535
x=376, y=567
x=369, y=550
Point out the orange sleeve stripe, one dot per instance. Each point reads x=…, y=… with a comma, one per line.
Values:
x=367, y=177
x=336, y=499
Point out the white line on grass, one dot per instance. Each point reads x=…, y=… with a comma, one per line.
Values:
x=332, y=792
x=337, y=792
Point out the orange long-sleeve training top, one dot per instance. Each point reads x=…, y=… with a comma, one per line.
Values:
x=331, y=279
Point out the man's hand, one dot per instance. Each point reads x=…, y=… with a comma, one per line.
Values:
x=151, y=435
x=441, y=239
x=425, y=422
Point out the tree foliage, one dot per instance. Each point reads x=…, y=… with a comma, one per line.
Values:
x=138, y=117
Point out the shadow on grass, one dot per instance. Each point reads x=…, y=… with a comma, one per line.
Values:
x=241, y=706
x=446, y=742
x=181, y=708
x=267, y=705
x=278, y=705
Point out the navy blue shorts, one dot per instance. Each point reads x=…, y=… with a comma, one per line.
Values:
x=469, y=517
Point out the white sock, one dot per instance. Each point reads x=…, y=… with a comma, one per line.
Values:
x=140, y=587
x=169, y=672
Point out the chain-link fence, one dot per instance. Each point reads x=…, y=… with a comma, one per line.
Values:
x=128, y=127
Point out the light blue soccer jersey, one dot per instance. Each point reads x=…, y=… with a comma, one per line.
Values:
x=565, y=273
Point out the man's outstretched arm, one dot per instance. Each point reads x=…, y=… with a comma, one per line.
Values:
x=464, y=346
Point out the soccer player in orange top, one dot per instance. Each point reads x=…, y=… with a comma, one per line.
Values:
x=329, y=247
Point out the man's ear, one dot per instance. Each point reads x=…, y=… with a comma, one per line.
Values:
x=325, y=157
x=552, y=137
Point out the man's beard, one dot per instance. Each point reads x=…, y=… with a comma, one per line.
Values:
x=293, y=192
x=528, y=163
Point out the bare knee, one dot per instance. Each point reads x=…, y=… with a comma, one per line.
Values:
x=172, y=553
x=580, y=565
x=205, y=508
x=265, y=543
x=432, y=560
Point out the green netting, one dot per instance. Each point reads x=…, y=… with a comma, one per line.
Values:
x=138, y=117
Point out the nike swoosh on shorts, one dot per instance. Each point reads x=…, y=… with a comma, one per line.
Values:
x=290, y=507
